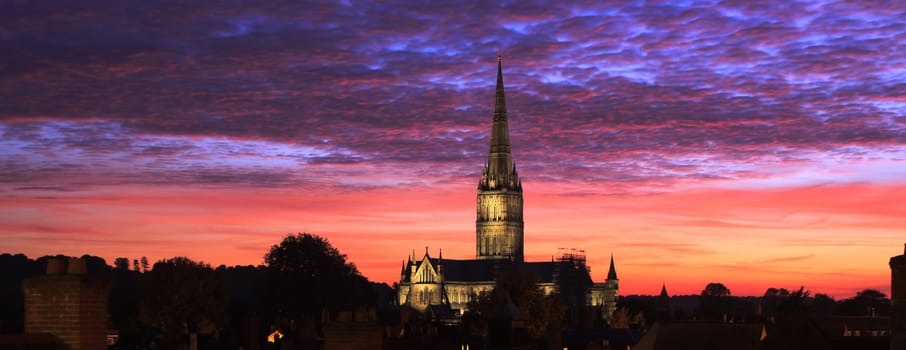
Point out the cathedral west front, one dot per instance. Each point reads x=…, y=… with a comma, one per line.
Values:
x=499, y=240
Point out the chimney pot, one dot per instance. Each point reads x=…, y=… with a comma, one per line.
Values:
x=77, y=266
x=56, y=266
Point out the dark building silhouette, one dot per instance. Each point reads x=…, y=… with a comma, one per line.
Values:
x=353, y=330
x=663, y=308
x=68, y=304
x=898, y=301
x=701, y=335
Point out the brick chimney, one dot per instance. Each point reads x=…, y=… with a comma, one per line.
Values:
x=69, y=304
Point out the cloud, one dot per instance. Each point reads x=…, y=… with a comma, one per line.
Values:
x=611, y=100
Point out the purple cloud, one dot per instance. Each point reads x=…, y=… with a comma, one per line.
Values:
x=289, y=93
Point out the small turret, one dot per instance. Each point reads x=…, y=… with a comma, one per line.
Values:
x=612, y=273
x=440, y=264
x=663, y=308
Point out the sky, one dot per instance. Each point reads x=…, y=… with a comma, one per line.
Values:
x=755, y=144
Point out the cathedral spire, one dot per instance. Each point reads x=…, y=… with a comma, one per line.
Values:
x=499, y=224
x=499, y=100
x=500, y=161
x=612, y=274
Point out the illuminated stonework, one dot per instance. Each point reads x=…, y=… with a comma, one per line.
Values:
x=430, y=282
x=498, y=224
x=424, y=283
x=605, y=295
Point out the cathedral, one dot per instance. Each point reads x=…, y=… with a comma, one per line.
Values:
x=428, y=281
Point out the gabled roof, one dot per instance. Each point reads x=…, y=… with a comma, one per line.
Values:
x=440, y=312
x=507, y=311
x=462, y=270
x=468, y=270
x=486, y=270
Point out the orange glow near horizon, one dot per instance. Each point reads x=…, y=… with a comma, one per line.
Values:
x=784, y=238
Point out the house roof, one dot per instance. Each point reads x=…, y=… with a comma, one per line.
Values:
x=507, y=311
x=701, y=335
x=440, y=312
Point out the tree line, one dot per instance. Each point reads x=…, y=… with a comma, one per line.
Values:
x=158, y=306
x=716, y=303
x=303, y=280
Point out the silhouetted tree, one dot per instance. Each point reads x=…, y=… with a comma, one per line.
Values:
x=121, y=263
x=245, y=284
x=473, y=325
x=547, y=313
x=774, y=292
x=13, y=270
x=869, y=302
x=135, y=265
x=822, y=304
x=184, y=296
x=716, y=290
x=790, y=321
x=145, y=265
x=794, y=302
x=635, y=312
x=715, y=302
x=126, y=292
x=96, y=266
x=308, y=275
x=781, y=302
x=772, y=298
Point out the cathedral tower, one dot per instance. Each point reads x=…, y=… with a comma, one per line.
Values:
x=499, y=224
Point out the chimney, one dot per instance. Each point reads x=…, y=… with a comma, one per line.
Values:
x=77, y=266
x=56, y=266
x=68, y=304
